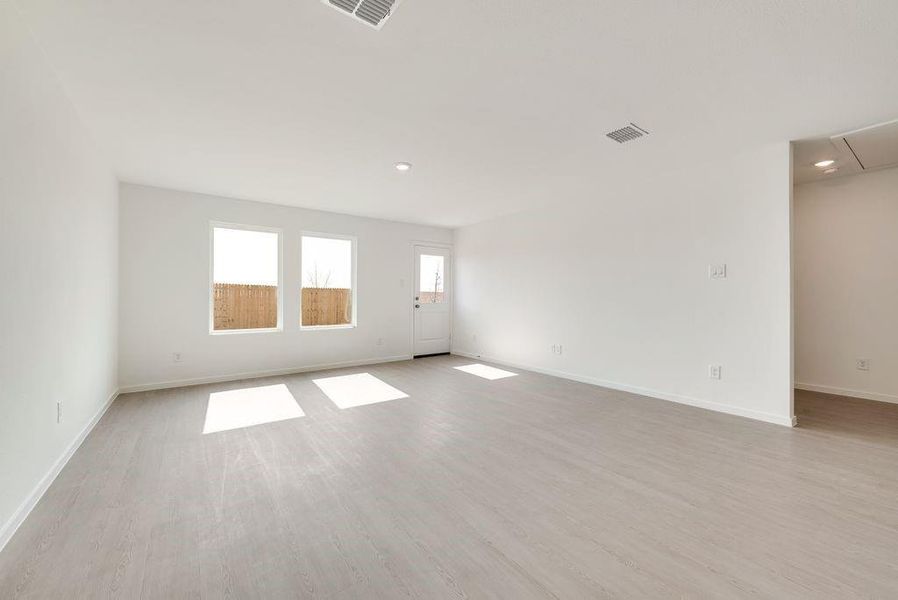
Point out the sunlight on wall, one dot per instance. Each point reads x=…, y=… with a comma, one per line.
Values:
x=486, y=372
x=348, y=391
x=236, y=409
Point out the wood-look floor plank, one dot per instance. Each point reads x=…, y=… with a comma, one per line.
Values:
x=526, y=487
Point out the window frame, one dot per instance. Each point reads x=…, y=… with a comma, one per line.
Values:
x=211, y=284
x=354, y=244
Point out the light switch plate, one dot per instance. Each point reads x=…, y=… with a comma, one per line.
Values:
x=718, y=271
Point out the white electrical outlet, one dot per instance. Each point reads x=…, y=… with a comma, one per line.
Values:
x=176, y=357
x=863, y=364
x=557, y=349
x=59, y=411
x=717, y=271
x=714, y=371
x=380, y=341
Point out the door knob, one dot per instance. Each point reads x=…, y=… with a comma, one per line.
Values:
x=417, y=306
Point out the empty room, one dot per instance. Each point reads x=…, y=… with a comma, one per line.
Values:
x=411, y=299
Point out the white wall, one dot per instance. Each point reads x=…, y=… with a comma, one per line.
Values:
x=620, y=281
x=58, y=269
x=846, y=257
x=165, y=290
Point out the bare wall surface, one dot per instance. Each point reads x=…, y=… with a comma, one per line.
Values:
x=165, y=289
x=846, y=257
x=58, y=288
x=620, y=281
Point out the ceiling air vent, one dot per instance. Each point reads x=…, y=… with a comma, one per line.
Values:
x=370, y=12
x=627, y=134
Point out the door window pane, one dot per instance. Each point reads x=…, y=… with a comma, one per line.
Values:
x=431, y=281
x=245, y=282
x=327, y=294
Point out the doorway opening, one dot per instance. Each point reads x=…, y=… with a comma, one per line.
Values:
x=845, y=275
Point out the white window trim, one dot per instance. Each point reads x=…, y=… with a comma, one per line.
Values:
x=241, y=226
x=355, y=288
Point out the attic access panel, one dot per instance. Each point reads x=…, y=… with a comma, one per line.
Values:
x=874, y=147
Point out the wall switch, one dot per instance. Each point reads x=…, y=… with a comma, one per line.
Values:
x=714, y=371
x=863, y=364
x=717, y=271
x=176, y=357
x=557, y=349
x=59, y=411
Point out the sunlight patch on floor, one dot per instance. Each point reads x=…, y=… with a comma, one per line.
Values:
x=486, y=371
x=236, y=409
x=348, y=391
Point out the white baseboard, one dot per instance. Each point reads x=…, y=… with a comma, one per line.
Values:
x=715, y=406
x=18, y=517
x=162, y=385
x=836, y=391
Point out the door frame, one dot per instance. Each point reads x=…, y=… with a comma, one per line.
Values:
x=411, y=288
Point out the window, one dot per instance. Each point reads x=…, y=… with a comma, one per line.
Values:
x=328, y=281
x=431, y=280
x=245, y=279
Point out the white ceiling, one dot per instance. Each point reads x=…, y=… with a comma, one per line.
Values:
x=501, y=106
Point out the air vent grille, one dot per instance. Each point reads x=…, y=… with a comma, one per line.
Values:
x=347, y=5
x=627, y=134
x=372, y=12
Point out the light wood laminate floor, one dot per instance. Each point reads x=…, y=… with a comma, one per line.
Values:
x=518, y=488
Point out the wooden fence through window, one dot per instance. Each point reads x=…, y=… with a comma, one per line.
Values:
x=239, y=306
x=326, y=306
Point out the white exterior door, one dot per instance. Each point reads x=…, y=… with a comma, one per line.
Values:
x=433, y=300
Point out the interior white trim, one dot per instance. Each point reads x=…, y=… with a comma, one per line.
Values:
x=18, y=517
x=828, y=389
x=161, y=385
x=715, y=406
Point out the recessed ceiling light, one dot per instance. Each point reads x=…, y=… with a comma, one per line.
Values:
x=824, y=163
x=403, y=166
x=830, y=171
